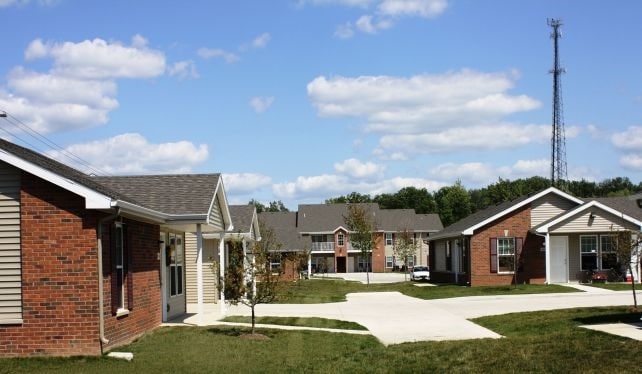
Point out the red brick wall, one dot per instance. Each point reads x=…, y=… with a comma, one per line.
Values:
x=60, y=278
x=379, y=254
x=146, y=313
x=531, y=265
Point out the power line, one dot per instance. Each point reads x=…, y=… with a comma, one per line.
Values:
x=26, y=129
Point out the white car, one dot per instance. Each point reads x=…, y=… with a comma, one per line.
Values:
x=420, y=273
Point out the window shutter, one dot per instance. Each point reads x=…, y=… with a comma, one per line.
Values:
x=129, y=271
x=493, y=255
x=519, y=242
x=114, y=281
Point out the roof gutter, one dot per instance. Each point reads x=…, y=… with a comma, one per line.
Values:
x=101, y=296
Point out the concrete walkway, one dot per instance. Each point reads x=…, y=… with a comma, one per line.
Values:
x=395, y=318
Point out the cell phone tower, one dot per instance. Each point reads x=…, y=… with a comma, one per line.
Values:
x=558, y=138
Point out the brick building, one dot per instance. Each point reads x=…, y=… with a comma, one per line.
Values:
x=90, y=263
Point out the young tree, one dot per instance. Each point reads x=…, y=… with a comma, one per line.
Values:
x=404, y=247
x=361, y=225
x=250, y=280
x=628, y=246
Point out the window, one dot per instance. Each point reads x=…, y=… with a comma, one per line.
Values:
x=363, y=263
x=122, y=288
x=449, y=257
x=462, y=257
x=340, y=239
x=388, y=238
x=390, y=262
x=410, y=262
x=119, y=267
x=275, y=262
x=176, y=262
x=506, y=255
x=608, y=244
x=588, y=252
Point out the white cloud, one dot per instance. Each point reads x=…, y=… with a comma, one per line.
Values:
x=344, y=31
x=99, y=59
x=475, y=172
x=244, y=183
x=630, y=142
x=208, y=53
x=531, y=167
x=131, y=153
x=359, y=170
x=419, y=8
x=326, y=185
x=261, y=103
x=262, y=40
x=183, y=69
x=421, y=102
x=7, y=3
x=349, y=3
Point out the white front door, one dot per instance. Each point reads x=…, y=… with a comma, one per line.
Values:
x=559, y=259
x=174, y=275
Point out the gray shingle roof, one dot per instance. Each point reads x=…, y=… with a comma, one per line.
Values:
x=625, y=204
x=327, y=217
x=284, y=226
x=242, y=217
x=399, y=219
x=460, y=226
x=171, y=194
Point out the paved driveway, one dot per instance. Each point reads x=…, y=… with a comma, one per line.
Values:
x=395, y=318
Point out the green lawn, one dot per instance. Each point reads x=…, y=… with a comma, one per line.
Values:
x=615, y=286
x=299, y=321
x=313, y=291
x=540, y=342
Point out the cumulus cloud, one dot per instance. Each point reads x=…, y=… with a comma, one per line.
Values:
x=79, y=90
x=209, y=53
x=131, y=153
x=349, y=3
x=410, y=8
x=344, y=31
x=322, y=186
x=367, y=25
x=244, y=183
x=629, y=142
x=8, y=3
x=99, y=59
x=357, y=169
x=261, y=41
x=481, y=174
x=261, y=103
x=183, y=69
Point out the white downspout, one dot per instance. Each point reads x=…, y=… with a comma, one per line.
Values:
x=547, y=242
x=101, y=297
x=310, y=265
x=199, y=267
x=221, y=270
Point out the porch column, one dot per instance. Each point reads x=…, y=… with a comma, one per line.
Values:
x=547, y=244
x=221, y=270
x=245, y=263
x=199, y=267
x=310, y=265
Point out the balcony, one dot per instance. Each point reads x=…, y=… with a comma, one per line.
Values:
x=323, y=246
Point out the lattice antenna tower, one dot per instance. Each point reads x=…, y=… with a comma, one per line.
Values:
x=559, y=174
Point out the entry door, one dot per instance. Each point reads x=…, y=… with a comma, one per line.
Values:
x=341, y=264
x=559, y=259
x=174, y=265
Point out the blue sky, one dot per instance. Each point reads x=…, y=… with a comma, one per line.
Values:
x=300, y=100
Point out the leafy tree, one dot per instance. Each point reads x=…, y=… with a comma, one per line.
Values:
x=272, y=206
x=351, y=198
x=453, y=203
x=404, y=247
x=361, y=226
x=628, y=246
x=250, y=280
x=418, y=199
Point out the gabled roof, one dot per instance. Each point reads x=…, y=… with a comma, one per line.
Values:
x=326, y=218
x=284, y=226
x=172, y=194
x=160, y=198
x=622, y=207
x=393, y=220
x=468, y=225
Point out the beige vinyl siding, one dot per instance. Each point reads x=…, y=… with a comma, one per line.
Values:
x=547, y=207
x=601, y=222
x=440, y=255
x=216, y=215
x=210, y=254
x=10, y=263
x=573, y=257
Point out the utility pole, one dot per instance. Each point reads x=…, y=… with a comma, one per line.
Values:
x=559, y=174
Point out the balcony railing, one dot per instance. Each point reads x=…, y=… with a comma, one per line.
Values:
x=323, y=246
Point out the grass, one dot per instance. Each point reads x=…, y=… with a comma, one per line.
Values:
x=615, y=286
x=314, y=291
x=299, y=321
x=540, y=342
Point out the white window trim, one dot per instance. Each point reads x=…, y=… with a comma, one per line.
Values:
x=340, y=240
x=597, y=251
x=513, y=255
x=392, y=262
x=389, y=239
